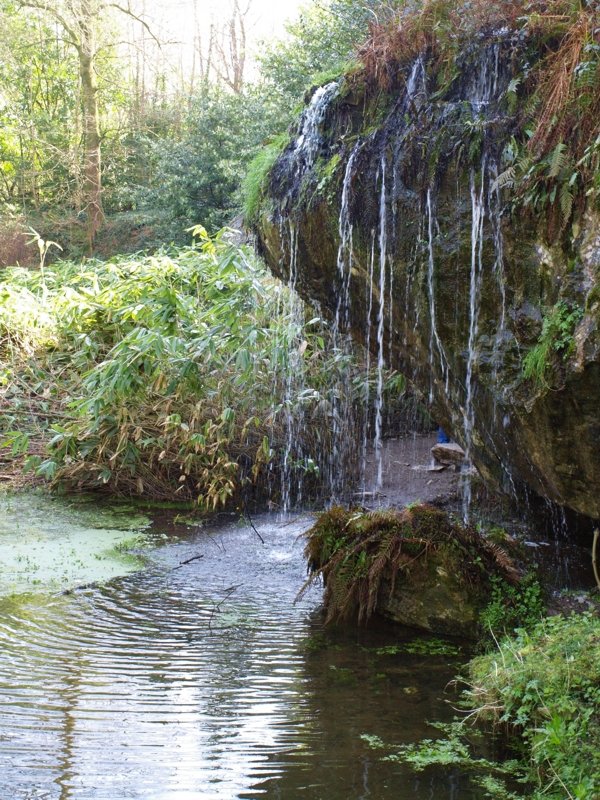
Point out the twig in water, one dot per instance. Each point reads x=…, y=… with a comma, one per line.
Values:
x=188, y=561
x=253, y=526
x=217, y=607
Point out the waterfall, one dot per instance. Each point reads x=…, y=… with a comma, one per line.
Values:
x=434, y=337
x=495, y=214
x=477, y=220
x=378, y=443
x=293, y=374
x=309, y=138
x=367, y=383
x=344, y=256
x=341, y=405
x=407, y=158
x=485, y=88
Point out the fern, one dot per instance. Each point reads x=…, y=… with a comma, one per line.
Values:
x=558, y=160
x=506, y=179
x=378, y=548
x=566, y=202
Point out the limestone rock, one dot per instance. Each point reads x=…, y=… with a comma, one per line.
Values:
x=448, y=454
x=471, y=283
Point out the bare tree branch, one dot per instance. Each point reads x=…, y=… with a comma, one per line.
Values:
x=128, y=12
x=50, y=8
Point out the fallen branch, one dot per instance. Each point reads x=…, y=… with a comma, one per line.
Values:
x=188, y=561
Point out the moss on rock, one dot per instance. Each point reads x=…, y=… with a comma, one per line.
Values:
x=414, y=566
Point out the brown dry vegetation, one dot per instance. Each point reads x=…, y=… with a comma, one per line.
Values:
x=354, y=553
x=565, y=106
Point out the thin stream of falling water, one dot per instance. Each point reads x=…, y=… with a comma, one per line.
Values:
x=495, y=215
x=340, y=409
x=478, y=215
x=345, y=250
x=293, y=374
x=378, y=443
x=309, y=138
x=434, y=335
x=367, y=398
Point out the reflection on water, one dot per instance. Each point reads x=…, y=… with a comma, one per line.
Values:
x=205, y=681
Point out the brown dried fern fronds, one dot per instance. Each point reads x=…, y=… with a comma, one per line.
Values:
x=559, y=116
x=356, y=553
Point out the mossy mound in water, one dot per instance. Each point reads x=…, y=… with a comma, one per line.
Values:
x=414, y=566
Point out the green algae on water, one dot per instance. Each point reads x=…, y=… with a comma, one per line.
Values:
x=54, y=544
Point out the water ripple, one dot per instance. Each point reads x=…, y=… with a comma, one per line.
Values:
x=188, y=682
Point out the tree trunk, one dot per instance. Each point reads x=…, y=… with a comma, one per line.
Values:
x=92, y=165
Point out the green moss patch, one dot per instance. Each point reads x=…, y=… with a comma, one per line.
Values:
x=51, y=544
x=360, y=556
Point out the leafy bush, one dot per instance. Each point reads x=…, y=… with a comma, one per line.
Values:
x=510, y=607
x=542, y=686
x=187, y=374
x=555, y=341
x=545, y=684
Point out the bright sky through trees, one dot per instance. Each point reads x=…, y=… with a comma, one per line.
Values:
x=183, y=23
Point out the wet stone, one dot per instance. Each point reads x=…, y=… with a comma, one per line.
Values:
x=449, y=454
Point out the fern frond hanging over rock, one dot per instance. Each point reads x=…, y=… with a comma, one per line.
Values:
x=365, y=558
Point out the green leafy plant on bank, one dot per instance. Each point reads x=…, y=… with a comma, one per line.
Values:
x=173, y=376
x=256, y=177
x=541, y=689
x=555, y=343
x=512, y=607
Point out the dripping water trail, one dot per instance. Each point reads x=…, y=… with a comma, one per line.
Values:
x=434, y=337
x=367, y=385
x=495, y=216
x=378, y=444
x=345, y=250
x=341, y=402
x=293, y=380
x=478, y=216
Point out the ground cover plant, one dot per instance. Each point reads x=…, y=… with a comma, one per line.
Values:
x=179, y=375
x=537, y=692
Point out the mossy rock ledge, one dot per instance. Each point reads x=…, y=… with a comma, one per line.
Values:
x=412, y=566
x=399, y=189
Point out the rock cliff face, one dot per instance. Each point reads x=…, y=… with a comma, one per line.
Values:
x=392, y=210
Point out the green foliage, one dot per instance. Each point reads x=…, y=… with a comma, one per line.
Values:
x=543, y=686
x=195, y=171
x=545, y=682
x=510, y=607
x=320, y=45
x=555, y=342
x=431, y=646
x=164, y=375
x=256, y=176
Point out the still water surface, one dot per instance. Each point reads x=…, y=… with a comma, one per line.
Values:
x=205, y=680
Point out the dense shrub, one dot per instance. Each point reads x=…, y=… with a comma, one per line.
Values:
x=187, y=374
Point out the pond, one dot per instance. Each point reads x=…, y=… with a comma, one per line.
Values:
x=189, y=671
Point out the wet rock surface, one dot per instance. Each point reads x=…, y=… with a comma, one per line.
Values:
x=437, y=276
x=448, y=454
